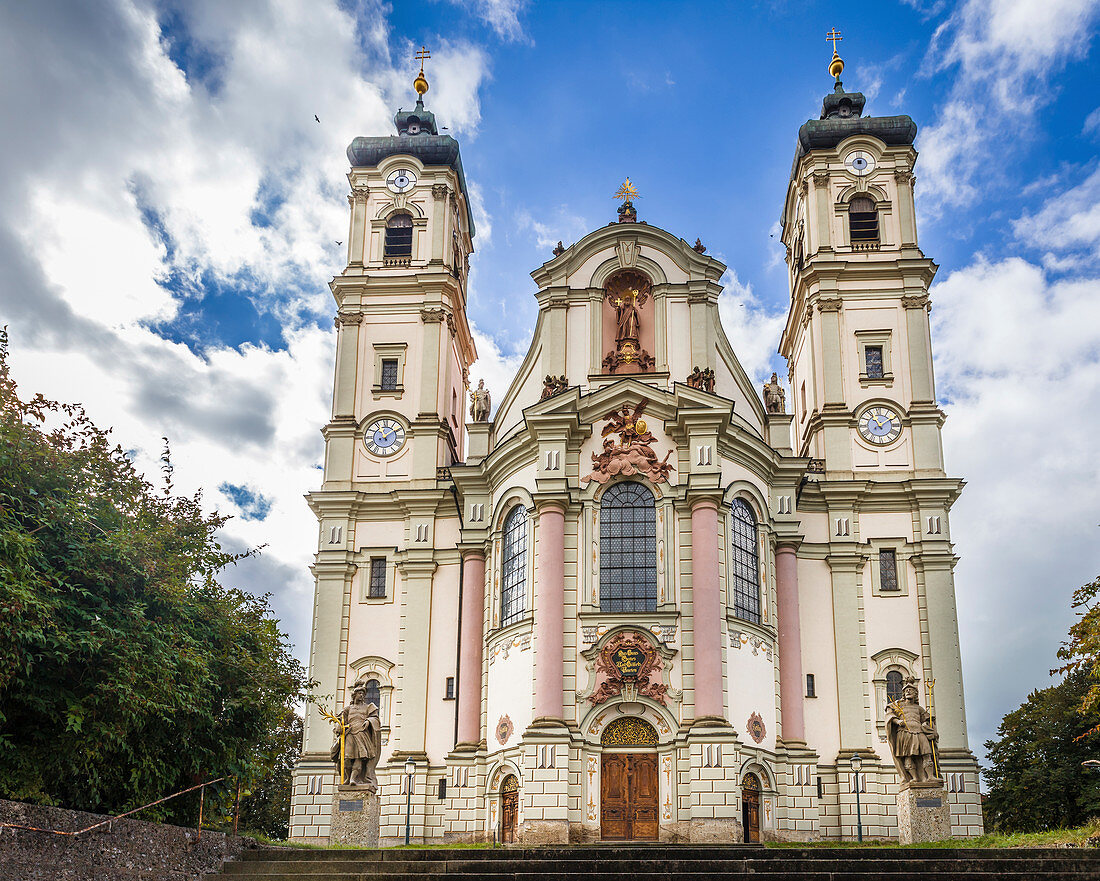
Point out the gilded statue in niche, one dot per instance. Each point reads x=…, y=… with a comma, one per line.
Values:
x=626, y=292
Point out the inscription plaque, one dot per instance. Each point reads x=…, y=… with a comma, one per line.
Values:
x=628, y=661
x=351, y=805
x=929, y=803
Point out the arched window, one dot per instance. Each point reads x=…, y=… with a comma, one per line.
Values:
x=399, y=236
x=894, y=686
x=744, y=562
x=628, y=549
x=513, y=567
x=862, y=220
x=374, y=693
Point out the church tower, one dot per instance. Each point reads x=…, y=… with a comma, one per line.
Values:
x=865, y=414
x=386, y=596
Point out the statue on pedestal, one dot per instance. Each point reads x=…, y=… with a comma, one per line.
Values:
x=358, y=743
x=913, y=737
x=773, y=396
x=480, y=403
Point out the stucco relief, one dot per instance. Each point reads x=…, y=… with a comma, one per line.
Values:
x=633, y=454
x=628, y=666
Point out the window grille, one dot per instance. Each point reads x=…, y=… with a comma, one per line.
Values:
x=450, y=690
x=894, y=686
x=811, y=687
x=873, y=360
x=628, y=549
x=744, y=562
x=862, y=220
x=374, y=693
x=399, y=236
x=389, y=374
x=888, y=570
x=377, y=578
x=513, y=593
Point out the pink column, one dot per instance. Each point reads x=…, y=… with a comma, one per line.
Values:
x=469, y=661
x=549, y=611
x=706, y=610
x=790, y=644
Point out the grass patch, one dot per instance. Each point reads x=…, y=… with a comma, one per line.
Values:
x=1052, y=838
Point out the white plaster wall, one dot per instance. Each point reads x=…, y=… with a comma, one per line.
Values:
x=442, y=650
x=578, y=333
x=511, y=682
x=750, y=684
x=815, y=612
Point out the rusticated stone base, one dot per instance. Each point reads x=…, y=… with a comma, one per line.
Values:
x=355, y=817
x=717, y=831
x=923, y=813
x=536, y=832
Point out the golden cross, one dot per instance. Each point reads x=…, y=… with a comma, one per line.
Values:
x=835, y=36
x=627, y=191
x=421, y=56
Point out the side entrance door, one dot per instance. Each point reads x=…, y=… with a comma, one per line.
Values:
x=750, y=807
x=509, y=809
x=628, y=797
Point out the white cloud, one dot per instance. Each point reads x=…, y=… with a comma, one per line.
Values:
x=1006, y=52
x=127, y=172
x=1092, y=123
x=497, y=368
x=1067, y=225
x=555, y=225
x=1019, y=369
x=753, y=331
x=501, y=15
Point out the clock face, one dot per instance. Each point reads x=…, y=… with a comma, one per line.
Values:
x=384, y=437
x=402, y=180
x=880, y=425
x=860, y=163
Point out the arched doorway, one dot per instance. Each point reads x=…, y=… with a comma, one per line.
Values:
x=628, y=781
x=750, y=807
x=509, y=808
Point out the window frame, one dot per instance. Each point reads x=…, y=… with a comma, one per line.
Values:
x=863, y=217
x=902, y=552
x=389, y=352
x=870, y=338
x=514, y=594
x=377, y=567
x=614, y=550
x=365, y=563
x=734, y=578
x=389, y=248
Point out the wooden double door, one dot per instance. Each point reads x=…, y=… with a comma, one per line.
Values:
x=629, y=794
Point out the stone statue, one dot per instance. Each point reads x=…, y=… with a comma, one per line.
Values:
x=626, y=318
x=553, y=385
x=701, y=379
x=559, y=249
x=699, y=246
x=913, y=737
x=480, y=403
x=774, y=396
x=362, y=740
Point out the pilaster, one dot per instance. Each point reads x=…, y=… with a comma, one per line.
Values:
x=410, y=712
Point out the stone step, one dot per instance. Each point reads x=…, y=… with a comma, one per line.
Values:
x=776, y=872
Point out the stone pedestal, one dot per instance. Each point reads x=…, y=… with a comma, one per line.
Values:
x=923, y=813
x=354, y=817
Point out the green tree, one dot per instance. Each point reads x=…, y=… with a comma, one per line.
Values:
x=1082, y=650
x=265, y=807
x=127, y=671
x=1035, y=777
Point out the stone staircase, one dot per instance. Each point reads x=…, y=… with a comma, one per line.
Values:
x=663, y=863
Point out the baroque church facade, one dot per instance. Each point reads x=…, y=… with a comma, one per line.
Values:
x=636, y=599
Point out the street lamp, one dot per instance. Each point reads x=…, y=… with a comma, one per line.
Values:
x=410, y=769
x=857, y=763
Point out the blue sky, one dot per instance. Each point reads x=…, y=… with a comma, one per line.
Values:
x=169, y=213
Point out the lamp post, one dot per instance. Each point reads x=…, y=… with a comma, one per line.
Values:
x=410, y=769
x=857, y=763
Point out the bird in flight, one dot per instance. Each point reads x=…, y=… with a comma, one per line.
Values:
x=339, y=243
x=315, y=116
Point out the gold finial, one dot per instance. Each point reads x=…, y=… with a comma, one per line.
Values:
x=420, y=83
x=836, y=66
x=626, y=192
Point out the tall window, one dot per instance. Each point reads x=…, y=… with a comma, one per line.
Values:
x=628, y=549
x=745, y=562
x=873, y=359
x=894, y=686
x=513, y=580
x=374, y=693
x=399, y=236
x=377, y=578
x=888, y=570
x=862, y=220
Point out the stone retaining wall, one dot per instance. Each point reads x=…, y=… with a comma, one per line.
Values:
x=127, y=850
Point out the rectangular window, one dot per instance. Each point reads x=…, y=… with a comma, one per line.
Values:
x=803, y=400
x=377, y=578
x=873, y=358
x=888, y=570
x=450, y=694
x=810, y=687
x=389, y=374
x=820, y=788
